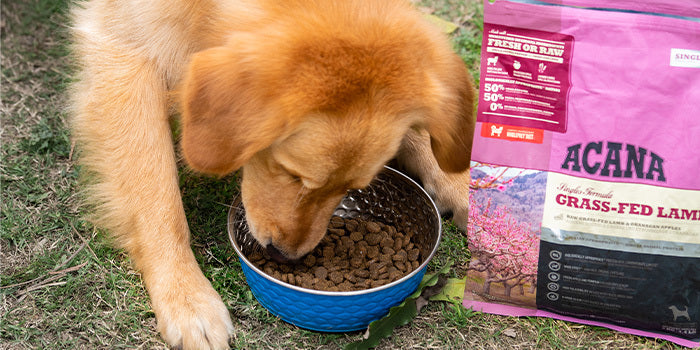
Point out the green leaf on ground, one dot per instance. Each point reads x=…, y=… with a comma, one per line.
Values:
x=453, y=291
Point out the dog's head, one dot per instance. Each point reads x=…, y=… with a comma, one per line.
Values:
x=314, y=104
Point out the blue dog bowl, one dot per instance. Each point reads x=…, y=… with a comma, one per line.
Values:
x=394, y=199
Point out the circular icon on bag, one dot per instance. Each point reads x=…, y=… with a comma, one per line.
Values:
x=555, y=254
x=553, y=276
x=553, y=286
x=554, y=265
x=552, y=296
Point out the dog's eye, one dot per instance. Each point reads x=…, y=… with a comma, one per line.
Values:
x=290, y=174
x=295, y=178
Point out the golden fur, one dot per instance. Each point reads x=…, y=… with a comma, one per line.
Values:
x=308, y=98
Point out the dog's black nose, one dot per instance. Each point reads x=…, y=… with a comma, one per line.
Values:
x=276, y=255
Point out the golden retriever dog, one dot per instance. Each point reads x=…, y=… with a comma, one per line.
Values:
x=308, y=98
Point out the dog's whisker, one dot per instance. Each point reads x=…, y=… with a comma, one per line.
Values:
x=298, y=199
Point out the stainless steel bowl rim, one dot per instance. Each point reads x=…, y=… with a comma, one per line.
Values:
x=230, y=230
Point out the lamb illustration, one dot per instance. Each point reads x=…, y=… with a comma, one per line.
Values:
x=679, y=313
x=492, y=61
x=496, y=130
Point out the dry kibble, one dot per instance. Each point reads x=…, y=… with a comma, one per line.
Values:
x=401, y=255
x=336, y=232
x=340, y=250
x=328, y=251
x=284, y=268
x=354, y=255
x=385, y=258
x=358, y=252
x=373, y=239
x=344, y=286
x=376, y=266
x=349, y=241
x=327, y=262
x=321, y=273
x=323, y=285
x=336, y=277
x=395, y=275
x=350, y=277
x=255, y=256
x=372, y=252
x=387, y=242
x=342, y=264
x=378, y=283
x=337, y=222
x=356, y=236
x=413, y=254
x=373, y=227
x=361, y=245
x=309, y=260
x=352, y=225
x=362, y=273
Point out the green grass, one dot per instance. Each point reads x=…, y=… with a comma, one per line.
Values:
x=65, y=287
x=468, y=15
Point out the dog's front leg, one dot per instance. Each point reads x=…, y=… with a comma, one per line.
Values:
x=121, y=124
x=450, y=191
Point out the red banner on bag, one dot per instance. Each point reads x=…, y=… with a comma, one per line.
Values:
x=512, y=133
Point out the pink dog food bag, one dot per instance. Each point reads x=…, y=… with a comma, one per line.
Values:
x=585, y=201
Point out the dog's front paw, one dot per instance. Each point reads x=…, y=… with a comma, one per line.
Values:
x=450, y=191
x=190, y=314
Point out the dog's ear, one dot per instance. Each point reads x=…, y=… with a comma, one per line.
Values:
x=451, y=123
x=224, y=118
